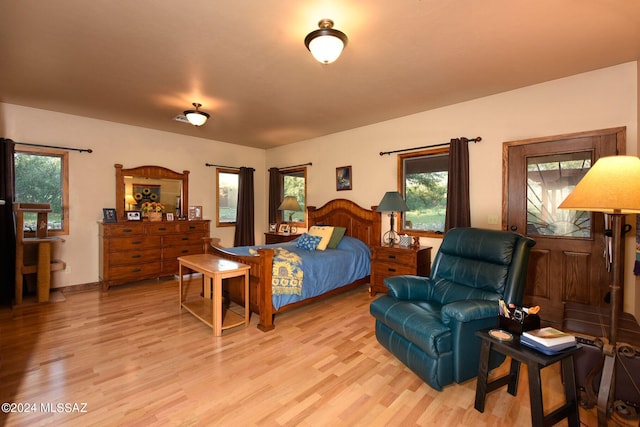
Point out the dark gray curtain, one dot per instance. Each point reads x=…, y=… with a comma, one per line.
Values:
x=458, y=205
x=274, y=194
x=7, y=222
x=245, y=235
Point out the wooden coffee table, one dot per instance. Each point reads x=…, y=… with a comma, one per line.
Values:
x=208, y=307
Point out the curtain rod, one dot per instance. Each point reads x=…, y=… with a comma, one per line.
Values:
x=223, y=166
x=295, y=166
x=87, y=150
x=382, y=153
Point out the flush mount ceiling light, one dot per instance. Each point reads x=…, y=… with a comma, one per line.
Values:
x=326, y=44
x=195, y=117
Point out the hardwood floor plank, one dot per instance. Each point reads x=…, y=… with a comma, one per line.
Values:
x=135, y=359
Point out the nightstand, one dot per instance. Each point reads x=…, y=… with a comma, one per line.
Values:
x=272, y=237
x=387, y=261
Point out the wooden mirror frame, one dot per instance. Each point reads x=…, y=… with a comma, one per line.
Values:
x=154, y=172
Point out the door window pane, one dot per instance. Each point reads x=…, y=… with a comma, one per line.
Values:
x=550, y=179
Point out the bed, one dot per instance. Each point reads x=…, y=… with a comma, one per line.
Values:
x=362, y=229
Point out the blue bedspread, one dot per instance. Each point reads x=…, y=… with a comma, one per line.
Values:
x=323, y=270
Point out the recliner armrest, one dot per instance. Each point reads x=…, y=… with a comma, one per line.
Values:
x=409, y=287
x=469, y=310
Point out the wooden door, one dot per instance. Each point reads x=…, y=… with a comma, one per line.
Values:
x=568, y=262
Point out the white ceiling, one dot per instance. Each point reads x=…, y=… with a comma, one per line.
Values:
x=143, y=62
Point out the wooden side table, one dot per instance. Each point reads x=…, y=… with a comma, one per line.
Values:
x=273, y=237
x=209, y=307
x=387, y=261
x=534, y=361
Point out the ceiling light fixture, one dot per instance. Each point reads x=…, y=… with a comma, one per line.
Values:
x=195, y=117
x=326, y=44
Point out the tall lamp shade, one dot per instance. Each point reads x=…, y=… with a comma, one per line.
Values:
x=290, y=203
x=611, y=186
x=392, y=202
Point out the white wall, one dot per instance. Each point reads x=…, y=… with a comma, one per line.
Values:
x=596, y=100
x=92, y=176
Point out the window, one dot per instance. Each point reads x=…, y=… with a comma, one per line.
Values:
x=294, y=183
x=423, y=178
x=42, y=176
x=226, y=197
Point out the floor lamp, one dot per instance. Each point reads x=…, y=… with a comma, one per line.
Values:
x=611, y=186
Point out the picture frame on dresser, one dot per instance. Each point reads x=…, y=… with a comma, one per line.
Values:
x=169, y=216
x=133, y=215
x=109, y=215
x=195, y=212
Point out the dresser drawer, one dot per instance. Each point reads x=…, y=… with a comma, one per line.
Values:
x=135, y=256
x=135, y=272
x=161, y=227
x=121, y=230
x=176, y=251
x=183, y=239
x=397, y=257
x=134, y=243
x=189, y=226
x=389, y=269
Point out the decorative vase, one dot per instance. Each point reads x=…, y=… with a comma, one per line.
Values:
x=154, y=216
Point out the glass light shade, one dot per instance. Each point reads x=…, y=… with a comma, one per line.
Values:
x=196, y=118
x=392, y=202
x=612, y=185
x=326, y=49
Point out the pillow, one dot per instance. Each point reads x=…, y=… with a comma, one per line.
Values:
x=336, y=237
x=324, y=232
x=307, y=242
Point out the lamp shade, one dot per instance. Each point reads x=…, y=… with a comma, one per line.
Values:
x=289, y=203
x=326, y=44
x=392, y=202
x=612, y=185
x=196, y=117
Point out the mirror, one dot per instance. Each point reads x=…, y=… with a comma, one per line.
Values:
x=151, y=183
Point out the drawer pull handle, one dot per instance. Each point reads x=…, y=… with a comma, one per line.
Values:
x=162, y=228
x=393, y=270
x=136, y=270
x=127, y=230
x=137, y=242
x=185, y=238
x=185, y=251
x=192, y=227
x=136, y=256
x=392, y=257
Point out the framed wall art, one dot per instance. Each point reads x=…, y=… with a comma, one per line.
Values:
x=343, y=178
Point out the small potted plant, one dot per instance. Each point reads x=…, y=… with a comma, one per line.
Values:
x=152, y=210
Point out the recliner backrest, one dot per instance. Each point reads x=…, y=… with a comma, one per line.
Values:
x=474, y=263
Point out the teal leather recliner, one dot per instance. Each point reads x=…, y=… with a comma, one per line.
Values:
x=429, y=323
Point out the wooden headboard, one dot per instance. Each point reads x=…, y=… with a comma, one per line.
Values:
x=361, y=223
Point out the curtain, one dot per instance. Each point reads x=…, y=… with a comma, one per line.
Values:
x=7, y=222
x=458, y=205
x=245, y=235
x=274, y=194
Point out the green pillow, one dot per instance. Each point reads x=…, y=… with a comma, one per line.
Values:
x=336, y=237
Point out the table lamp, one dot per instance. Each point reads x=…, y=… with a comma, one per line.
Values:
x=290, y=203
x=392, y=202
x=611, y=186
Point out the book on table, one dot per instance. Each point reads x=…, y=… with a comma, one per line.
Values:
x=548, y=338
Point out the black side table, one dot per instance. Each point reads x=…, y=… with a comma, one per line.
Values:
x=534, y=361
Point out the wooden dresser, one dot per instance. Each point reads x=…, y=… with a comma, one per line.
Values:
x=387, y=261
x=132, y=251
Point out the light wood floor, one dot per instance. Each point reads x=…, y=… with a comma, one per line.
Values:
x=135, y=359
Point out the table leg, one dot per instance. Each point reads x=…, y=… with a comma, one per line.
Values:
x=514, y=376
x=247, y=311
x=180, y=285
x=535, y=394
x=570, y=393
x=483, y=374
x=217, y=303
